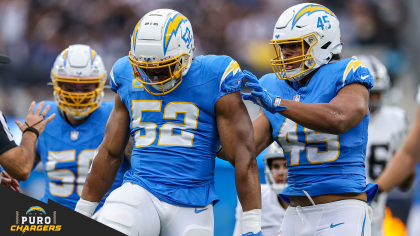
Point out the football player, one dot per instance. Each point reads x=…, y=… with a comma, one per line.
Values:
x=273, y=207
x=387, y=128
x=401, y=168
x=66, y=147
x=317, y=109
x=178, y=110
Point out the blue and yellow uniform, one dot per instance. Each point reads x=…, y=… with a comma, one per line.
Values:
x=321, y=163
x=175, y=135
x=67, y=152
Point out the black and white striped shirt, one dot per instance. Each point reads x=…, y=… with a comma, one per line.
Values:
x=6, y=138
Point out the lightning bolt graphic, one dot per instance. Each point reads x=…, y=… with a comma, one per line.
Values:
x=309, y=9
x=172, y=28
x=35, y=208
x=232, y=67
x=353, y=64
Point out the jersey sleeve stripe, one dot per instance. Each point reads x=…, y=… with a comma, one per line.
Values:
x=6, y=129
x=112, y=77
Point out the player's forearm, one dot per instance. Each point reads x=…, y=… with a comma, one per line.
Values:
x=102, y=175
x=18, y=162
x=322, y=117
x=248, y=184
x=403, y=163
x=398, y=170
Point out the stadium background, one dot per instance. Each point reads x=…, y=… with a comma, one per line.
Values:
x=34, y=32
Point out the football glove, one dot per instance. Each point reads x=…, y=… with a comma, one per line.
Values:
x=260, y=96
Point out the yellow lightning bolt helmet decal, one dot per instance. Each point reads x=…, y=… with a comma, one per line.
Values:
x=309, y=9
x=232, y=67
x=171, y=29
x=353, y=64
x=35, y=208
x=136, y=29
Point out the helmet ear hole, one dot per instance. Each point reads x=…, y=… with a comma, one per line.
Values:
x=325, y=46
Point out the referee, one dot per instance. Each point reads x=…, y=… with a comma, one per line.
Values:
x=19, y=160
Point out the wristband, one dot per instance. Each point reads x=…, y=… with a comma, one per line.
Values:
x=251, y=221
x=33, y=130
x=86, y=208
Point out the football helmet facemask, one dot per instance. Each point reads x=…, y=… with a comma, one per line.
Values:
x=162, y=47
x=78, y=77
x=315, y=30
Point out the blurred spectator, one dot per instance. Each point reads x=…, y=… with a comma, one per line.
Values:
x=34, y=32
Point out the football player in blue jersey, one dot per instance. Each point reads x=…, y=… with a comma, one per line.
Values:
x=178, y=109
x=67, y=145
x=317, y=109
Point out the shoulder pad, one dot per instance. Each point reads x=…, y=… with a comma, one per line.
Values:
x=117, y=72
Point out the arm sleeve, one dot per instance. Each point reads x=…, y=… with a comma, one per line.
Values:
x=230, y=78
x=6, y=138
x=238, y=215
x=355, y=72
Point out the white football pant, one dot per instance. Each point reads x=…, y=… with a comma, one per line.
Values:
x=340, y=218
x=134, y=211
x=413, y=222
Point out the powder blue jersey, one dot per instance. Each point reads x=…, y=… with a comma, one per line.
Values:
x=67, y=151
x=321, y=163
x=176, y=136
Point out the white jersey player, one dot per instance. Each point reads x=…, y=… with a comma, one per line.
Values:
x=273, y=207
x=388, y=126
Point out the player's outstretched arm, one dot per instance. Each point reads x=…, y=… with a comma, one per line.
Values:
x=237, y=138
x=18, y=161
x=343, y=112
x=107, y=160
x=403, y=163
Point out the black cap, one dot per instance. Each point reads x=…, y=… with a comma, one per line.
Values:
x=4, y=59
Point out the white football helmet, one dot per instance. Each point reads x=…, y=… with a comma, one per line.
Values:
x=308, y=23
x=78, y=77
x=381, y=81
x=162, y=45
x=274, y=152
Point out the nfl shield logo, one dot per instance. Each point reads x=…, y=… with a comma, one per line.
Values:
x=74, y=135
x=296, y=98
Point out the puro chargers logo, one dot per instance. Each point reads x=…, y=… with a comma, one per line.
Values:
x=35, y=219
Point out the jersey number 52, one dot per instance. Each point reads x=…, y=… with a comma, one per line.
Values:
x=166, y=131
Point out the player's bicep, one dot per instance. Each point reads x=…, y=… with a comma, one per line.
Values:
x=117, y=129
x=234, y=126
x=350, y=105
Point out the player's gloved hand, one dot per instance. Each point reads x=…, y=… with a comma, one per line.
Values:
x=260, y=96
x=252, y=234
x=86, y=208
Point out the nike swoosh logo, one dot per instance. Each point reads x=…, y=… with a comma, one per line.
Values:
x=364, y=77
x=198, y=211
x=332, y=226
